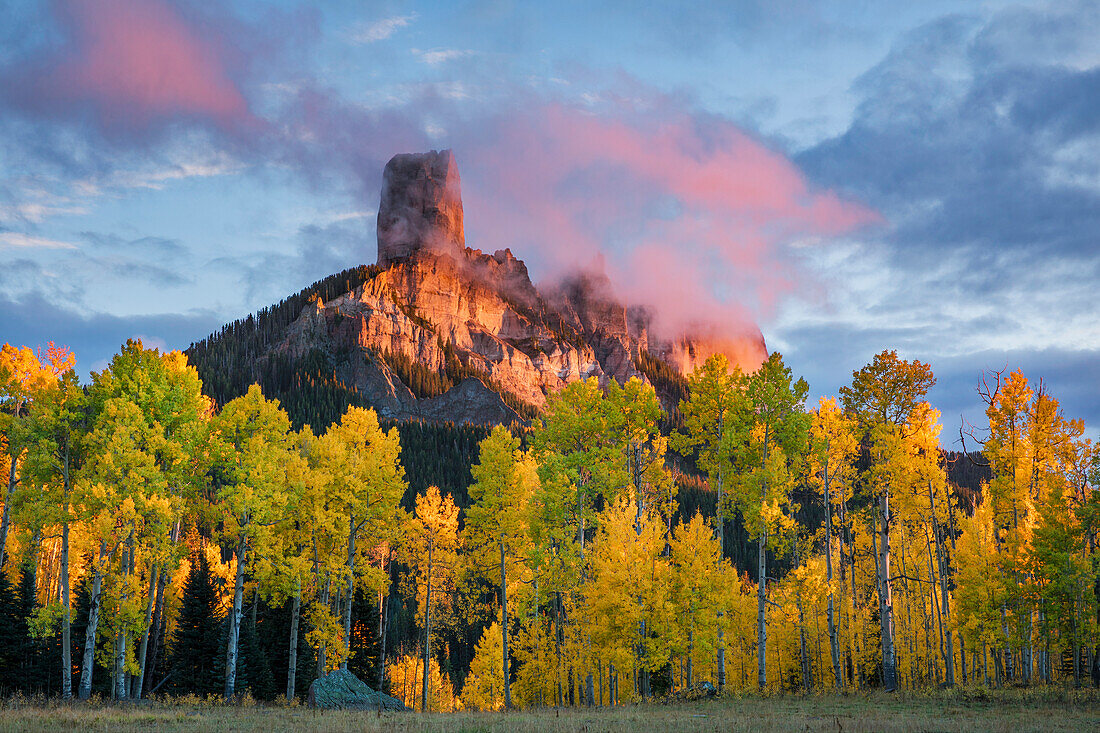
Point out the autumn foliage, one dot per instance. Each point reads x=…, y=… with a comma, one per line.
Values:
x=158, y=539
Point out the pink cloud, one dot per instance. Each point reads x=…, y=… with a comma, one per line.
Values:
x=692, y=215
x=134, y=65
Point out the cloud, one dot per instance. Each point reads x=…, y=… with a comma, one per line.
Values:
x=692, y=214
x=978, y=138
x=382, y=29
x=34, y=320
x=643, y=178
x=18, y=240
x=964, y=147
x=129, y=67
x=439, y=56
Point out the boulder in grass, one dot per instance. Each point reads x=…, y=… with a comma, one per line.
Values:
x=340, y=690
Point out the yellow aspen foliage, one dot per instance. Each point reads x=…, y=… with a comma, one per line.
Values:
x=629, y=597
x=484, y=685
x=406, y=683
x=695, y=594
x=533, y=650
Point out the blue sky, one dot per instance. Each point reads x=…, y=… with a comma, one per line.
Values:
x=850, y=176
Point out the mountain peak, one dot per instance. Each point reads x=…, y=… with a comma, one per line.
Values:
x=421, y=207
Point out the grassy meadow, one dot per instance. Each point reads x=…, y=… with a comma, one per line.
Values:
x=966, y=711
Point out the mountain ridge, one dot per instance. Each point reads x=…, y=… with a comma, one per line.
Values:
x=443, y=332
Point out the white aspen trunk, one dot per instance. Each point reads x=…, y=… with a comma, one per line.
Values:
x=807, y=682
x=382, y=628
x=761, y=586
x=886, y=603
x=504, y=628
x=834, y=634
x=427, y=632
x=351, y=592
x=231, y=651
x=88, y=663
x=691, y=651
x=322, y=661
x=66, y=612
x=139, y=681
x=1028, y=661
x=158, y=608
x=761, y=624
x=292, y=657
x=120, y=686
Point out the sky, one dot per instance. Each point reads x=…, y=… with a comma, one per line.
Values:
x=849, y=176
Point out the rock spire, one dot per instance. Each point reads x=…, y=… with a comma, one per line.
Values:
x=421, y=207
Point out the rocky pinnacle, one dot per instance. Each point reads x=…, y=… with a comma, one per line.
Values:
x=421, y=207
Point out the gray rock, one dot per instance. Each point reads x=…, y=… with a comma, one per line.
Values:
x=340, y=690
x=421, y=207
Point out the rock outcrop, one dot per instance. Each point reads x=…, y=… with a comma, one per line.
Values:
x=340, y=690
x=421, y=206
x=445, y=332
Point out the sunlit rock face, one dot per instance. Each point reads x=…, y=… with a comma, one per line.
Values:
x=436, y=301
x=421, y=206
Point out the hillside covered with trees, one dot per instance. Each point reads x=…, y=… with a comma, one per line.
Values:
x=157, y=541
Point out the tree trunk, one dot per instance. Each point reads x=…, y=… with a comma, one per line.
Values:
x=807, y=682
x=427, y=632
x=322, y=661
x=66, y=613
x=886, y=603
x=383, y=610
x=762, y=583
x=834, y=634
x=761, y=624
x=235, y=622
x=945, y=601
x=292, y=657
x=158, y=613
x=691, y=651
x=88, y=663
x=351, y=593
x=120, y=686
x=557, y=643
x=504, y=629
x=139, y=681
x=13, y=481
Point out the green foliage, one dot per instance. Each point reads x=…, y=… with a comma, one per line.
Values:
x=669, y=383
x=227, y=360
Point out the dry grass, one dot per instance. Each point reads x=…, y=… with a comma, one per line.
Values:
x=966, y=711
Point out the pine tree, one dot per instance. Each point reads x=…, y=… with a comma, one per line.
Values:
x=196, y=652
x=10, y=637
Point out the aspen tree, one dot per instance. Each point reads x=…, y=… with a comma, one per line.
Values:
x=496, y=530
x=366, y=488
x=882, y=398
x=22, y=374
x=715, y=400
x=432, y=551
x=770, y=437
x=254, y=444
x=833, y=447
x=54, y=439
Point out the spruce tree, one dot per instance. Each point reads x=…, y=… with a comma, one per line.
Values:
x=254, y=659
x=9, y=637
x=365, y=644
x=196, y=652
x=32, y=676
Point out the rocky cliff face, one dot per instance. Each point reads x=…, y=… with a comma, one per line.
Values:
x=445, y=332
x=421, y=207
